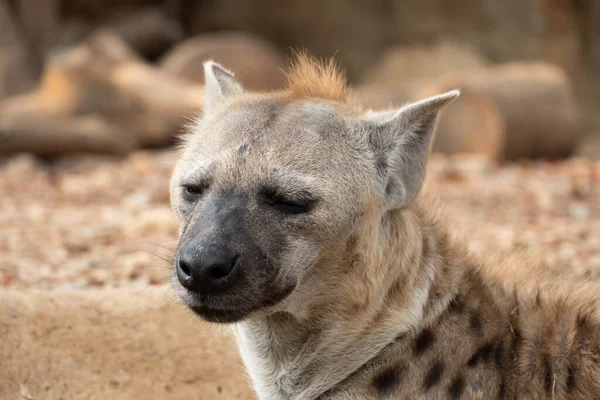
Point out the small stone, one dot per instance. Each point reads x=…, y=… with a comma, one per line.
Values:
x=77, y=244
x=24, y=392
x=99, y=277
x=579, y=210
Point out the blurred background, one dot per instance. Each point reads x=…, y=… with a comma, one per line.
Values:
x=94, y=92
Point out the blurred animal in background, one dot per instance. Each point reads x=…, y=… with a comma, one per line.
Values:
x=302, y=223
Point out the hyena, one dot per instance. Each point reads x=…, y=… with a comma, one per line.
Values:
x=301, y=226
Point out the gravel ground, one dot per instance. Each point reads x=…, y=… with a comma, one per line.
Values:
x=90, y=221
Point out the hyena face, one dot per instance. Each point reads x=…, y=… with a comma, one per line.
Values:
x=267, y=188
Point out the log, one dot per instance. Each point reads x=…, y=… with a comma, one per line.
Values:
x=164, y=102
x=537, y=102
x=113, y=344
x=104, y=87
x=53, y=135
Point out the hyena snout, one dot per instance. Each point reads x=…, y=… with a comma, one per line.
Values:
x=208, y=268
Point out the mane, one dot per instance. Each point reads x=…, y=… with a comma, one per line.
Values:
x=309, y=78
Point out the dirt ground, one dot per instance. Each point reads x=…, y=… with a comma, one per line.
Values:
x=112, y=344
x=96, y=233
x=90, y=222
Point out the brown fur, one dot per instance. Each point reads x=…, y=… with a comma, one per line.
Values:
x=309, y=79
x=387, y=302
x=502, y=335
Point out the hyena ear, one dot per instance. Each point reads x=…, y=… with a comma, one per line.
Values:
x=219, y=86
x=401, y=141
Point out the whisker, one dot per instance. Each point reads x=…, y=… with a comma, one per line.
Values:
x=156, y=266
x=169, y=260
x=169, y=249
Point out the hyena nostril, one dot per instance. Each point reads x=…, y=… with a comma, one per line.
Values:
x=183, y=267
x=221, y=270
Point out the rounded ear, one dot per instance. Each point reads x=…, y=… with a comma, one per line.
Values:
x=220, y=84
x=401, y=141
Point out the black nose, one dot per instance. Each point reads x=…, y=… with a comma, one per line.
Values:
x=207, y=269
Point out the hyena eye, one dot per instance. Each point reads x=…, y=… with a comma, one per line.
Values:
x=192, y=192
x=288, y=205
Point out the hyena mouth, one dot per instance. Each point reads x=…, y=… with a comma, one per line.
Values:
x=230, y=314
x=222, y=316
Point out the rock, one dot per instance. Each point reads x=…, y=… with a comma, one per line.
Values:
x=589, y=147
x=256, y=63
x=533, y=104
x=537, y=102
x=473, y=123
x=579, y=210
x=99, y=277
x=409, y=64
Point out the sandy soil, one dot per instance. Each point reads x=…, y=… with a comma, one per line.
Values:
x=86, y=242
x=115, y=344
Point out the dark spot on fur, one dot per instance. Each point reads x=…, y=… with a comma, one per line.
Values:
x=423, y=341
x=502, y=390
x=482, y=354
x=476, y=322
x=457, y=304
x=273, y=111
x=396, y=289
x=538, y=299
x=498, y=354
x=381, y=165
x=457, y=387
x=351, y=243
x=434, y=375
x=570, y=379
x=517, y=338
x=243, y=149
x=582, y=319
x=548, y=378
x=388, y=379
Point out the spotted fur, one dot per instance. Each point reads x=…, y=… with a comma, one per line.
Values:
x=367, y=294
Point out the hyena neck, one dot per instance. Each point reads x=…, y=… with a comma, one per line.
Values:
x=348, y=318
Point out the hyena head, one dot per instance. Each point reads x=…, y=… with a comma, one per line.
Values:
x=270, y=187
